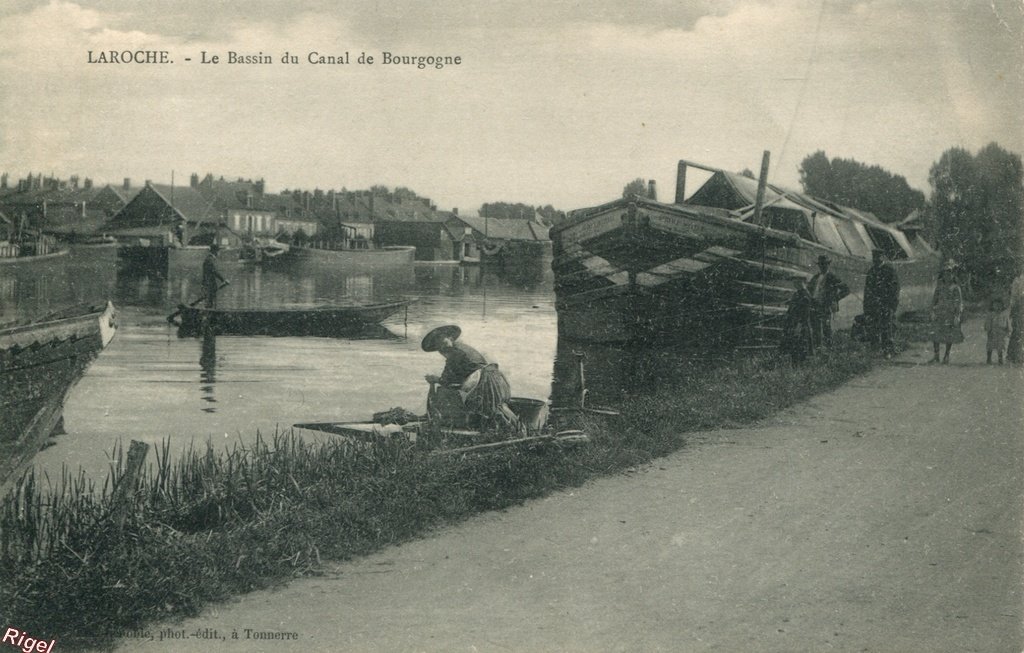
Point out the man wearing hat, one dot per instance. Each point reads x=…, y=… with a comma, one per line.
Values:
x=469, y=389
x=826, y=290
x=212, y=278
x=881, y=297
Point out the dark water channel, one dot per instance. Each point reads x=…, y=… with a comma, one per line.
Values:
x=149, y=384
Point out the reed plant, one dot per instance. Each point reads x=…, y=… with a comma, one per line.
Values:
x=82, y=563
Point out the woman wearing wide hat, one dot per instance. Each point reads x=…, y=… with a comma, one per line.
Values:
x=470, y=391
x=947, y=308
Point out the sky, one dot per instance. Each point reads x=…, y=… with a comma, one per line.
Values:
x=554, y=102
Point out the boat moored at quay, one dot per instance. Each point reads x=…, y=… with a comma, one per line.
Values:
x=346, y=253
x=40, y=361
x=714, y=268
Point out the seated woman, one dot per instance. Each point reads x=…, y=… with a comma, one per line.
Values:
x=470, y=393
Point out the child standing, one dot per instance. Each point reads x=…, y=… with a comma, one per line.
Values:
x=997, y=326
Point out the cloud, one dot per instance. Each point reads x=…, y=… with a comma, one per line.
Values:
x=555, y=102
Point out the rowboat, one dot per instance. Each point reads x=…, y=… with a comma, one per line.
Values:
x=712, y=268
x=324, y=321
x=450, y=441
x=397, y=425
x=32, y=246
x=40, y=361
x=262, y=250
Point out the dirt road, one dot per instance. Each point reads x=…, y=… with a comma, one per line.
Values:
x=885, y=516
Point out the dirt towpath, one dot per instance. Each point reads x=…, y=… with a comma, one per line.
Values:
x=884, y=516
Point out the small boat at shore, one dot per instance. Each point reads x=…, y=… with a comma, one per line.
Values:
x=29, y=248
x=323, y=321
x=40, y=361
x=538, y=425
x=448, y=441
x=262, y=250
x=716, y=267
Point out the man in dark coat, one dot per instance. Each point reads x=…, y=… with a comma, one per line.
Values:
x=212, y=278
x=827, y=290
x=797, y=339
x=881, y=297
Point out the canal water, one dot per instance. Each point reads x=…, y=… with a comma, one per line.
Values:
x=150, y=385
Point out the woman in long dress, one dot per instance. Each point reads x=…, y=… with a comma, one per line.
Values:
x=470, y=391
x=947, y=309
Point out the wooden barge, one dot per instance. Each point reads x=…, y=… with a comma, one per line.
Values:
x=343, y=255
x=40, y=361
x=703, y=269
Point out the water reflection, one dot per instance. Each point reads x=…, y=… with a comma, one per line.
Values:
x=34, y=288
x=253, y=287
x=611, y=373
x=140, y=290
x=244, y=384
x=208, y=371
x=524, y=268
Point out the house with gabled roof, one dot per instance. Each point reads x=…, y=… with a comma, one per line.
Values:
x=167, y=215
x=505, y=229
x=242, y=204
x=435, y=234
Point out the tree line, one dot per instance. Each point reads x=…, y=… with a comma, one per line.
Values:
x=549, y=215
x=973, y=213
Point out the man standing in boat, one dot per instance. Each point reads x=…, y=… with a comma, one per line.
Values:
x=881, y=297
x=827, y=290
x=212, y=278
x=470, y=391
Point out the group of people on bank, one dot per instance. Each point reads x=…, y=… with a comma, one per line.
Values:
x=809, y=314
x=1002, y=323
x=808, y=323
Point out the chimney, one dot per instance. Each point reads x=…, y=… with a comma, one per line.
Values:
x=3, y=181
x=651, y=192
x=260, y=187
x=455, y=211
x=194, y=180
x=127, y=183
x=87, y=184
x=681, y=183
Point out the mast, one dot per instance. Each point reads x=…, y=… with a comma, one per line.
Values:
x=758, y=204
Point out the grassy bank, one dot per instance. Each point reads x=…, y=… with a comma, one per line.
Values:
x=76, y=567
